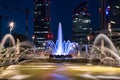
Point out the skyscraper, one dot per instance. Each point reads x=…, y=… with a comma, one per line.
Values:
x=41, y=22
x=110, y=18
x=110, y=13
x=81, y=23
x=102, y=11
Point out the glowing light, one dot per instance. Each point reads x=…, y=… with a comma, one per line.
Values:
x=60, y=47
x=107, y=10
x=11, y=24
x=117, y=7
x=33, y=37
x=113, y=22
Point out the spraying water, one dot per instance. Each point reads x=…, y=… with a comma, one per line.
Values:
x=61, y=47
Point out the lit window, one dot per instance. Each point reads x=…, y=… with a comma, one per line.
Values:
x=74, y=21
x=85, y=28
x=76, y=14
x=76, y=18
x=113, y=22
x=42, y=19
x=35, y=12
x=47, y=5
x=86, y=21
x=117, y=7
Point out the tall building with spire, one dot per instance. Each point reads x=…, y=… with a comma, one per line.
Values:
x=41, y=22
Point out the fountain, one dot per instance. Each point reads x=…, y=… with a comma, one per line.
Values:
x=7, y=36
x=103, y=49
x=61, y=47
x=108, y=54
x=13, y=53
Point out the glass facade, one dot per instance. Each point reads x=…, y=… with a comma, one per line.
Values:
x=113, y=13
x=41, y=21
x=110, y=18
x=81, y=24
x=110, y=13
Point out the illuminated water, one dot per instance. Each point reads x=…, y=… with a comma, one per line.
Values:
x=61, y=71
x=109, y=53
x=61, y=47
x=5, y=38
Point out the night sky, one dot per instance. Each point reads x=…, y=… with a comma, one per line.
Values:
x=61, y=11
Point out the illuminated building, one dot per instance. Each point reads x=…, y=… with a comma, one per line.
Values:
x=110, y=13
x=81, y=24
x=110, y=19
x=41, y=22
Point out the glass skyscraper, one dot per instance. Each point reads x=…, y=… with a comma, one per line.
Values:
x=41, y=22
x=81, y=24
x=110, y=13
x=110, y=18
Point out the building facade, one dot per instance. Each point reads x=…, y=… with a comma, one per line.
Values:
x=81, y=24
x=110, y=19
x=41, y=22
x=110, y=13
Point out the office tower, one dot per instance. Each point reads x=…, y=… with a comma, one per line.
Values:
x=110, y=13
x=41, y=22
x=81, y=24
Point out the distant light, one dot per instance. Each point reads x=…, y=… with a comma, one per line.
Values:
x=85, y=28
x=76, y=18
x=44, y=44
x=76, y=14
x=33, y=37
x=108, y=7
x=100, y=10
x=88, y=37
x=113, y=22
x=117, y=7
x=107, y=10
x=74, y=46
x=83, y=13
x=11, y=24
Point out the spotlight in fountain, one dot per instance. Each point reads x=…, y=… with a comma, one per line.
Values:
x=61, y=47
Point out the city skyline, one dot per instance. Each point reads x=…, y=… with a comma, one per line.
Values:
x=57, y=13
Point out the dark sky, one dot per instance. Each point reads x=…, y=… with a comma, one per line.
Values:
x=61, y=11
x=15, y=11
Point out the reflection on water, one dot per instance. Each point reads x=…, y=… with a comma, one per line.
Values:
x=54, y=76
x=38, y=71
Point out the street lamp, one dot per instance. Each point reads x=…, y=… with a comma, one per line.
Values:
x=33, y=37
x=88, y=38
x=11, y=25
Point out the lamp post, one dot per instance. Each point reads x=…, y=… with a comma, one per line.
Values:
x=11, y=25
